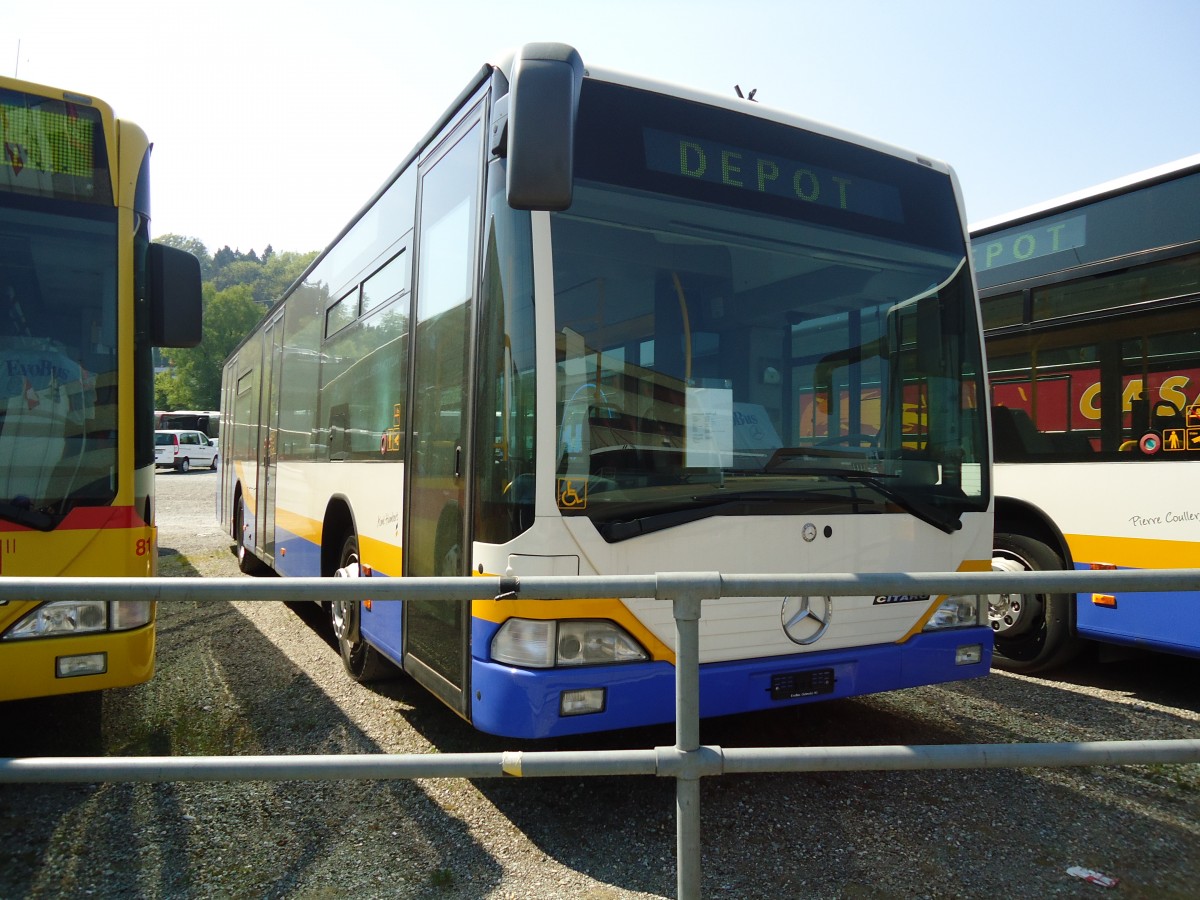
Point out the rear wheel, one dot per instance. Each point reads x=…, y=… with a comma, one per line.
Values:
x=362, y=661
x=1034, y=632
x=184, y=464
x=247, y=561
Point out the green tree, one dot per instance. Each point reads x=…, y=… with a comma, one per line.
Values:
x=223, y=257
x=193, y=246
x=279, y=271
x=240, y=271
x=238, y=289
x=195, y=382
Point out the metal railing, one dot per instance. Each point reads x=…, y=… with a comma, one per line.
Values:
x=687, y=761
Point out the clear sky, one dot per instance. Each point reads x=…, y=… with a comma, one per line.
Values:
x=273, y=122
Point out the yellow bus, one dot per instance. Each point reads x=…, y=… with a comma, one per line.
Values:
x=84, y=296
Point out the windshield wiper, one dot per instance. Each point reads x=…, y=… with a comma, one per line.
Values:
x=624, y=529
x=635, y=524
x=705, y=505
x=27, y=515
x=931, y=515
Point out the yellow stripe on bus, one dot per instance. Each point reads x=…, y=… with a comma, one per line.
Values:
x=298, y=525
x=1133, y=553
x=380, y=555
x=967, y=565
x=611, y=609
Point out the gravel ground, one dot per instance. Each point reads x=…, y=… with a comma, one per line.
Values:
x=248, y=677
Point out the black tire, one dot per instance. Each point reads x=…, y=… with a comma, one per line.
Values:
x=184, y=464
x=248, y=563
x=362, y=661
x=1034, y=632
x=214, y=463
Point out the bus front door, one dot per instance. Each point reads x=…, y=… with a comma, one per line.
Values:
x=268, y=452
x=436, y=639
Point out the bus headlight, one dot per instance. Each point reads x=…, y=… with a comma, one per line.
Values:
x=545, y=643
x=65, y=617
x=125, y=615
x=959, y=611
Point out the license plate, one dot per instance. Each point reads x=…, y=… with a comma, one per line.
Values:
x=793, y=685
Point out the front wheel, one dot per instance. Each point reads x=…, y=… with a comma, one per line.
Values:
x=1034, y=632
x=362, y=661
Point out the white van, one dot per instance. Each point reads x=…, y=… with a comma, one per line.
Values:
x=180, y=450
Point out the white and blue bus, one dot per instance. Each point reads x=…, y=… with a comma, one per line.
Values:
x=598, y=325
x=1091, y=305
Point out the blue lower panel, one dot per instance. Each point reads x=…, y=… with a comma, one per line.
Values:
x=524, y=703
x=1164, y=621
x=295, y=556
x=382, y=626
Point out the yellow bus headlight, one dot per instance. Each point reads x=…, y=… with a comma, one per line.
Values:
x=65, y=617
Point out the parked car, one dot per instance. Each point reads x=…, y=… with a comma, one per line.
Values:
x=180, y=450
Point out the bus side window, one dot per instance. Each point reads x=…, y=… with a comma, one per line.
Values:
x=1014, y=435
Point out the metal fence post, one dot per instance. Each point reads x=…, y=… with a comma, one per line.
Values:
x=687, y=592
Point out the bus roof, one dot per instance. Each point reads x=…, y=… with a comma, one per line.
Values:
x=737, y=104
x=1122, y=185
x=504, y=64
x=46, y=90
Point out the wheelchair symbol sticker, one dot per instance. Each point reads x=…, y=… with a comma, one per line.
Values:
x=572, y=493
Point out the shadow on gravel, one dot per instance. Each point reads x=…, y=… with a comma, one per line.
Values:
x=173, y=564
x=1069, y=699
x=1159, y=678
x=763, y=836
x=970, y=833
x=52, y=726
x=966, y=833
x=221, y=688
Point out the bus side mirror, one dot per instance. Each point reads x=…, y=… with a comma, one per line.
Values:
x=543, y=103
x=176, y=311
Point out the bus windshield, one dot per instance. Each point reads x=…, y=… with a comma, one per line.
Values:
x=58, y=341
x=746, y=326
